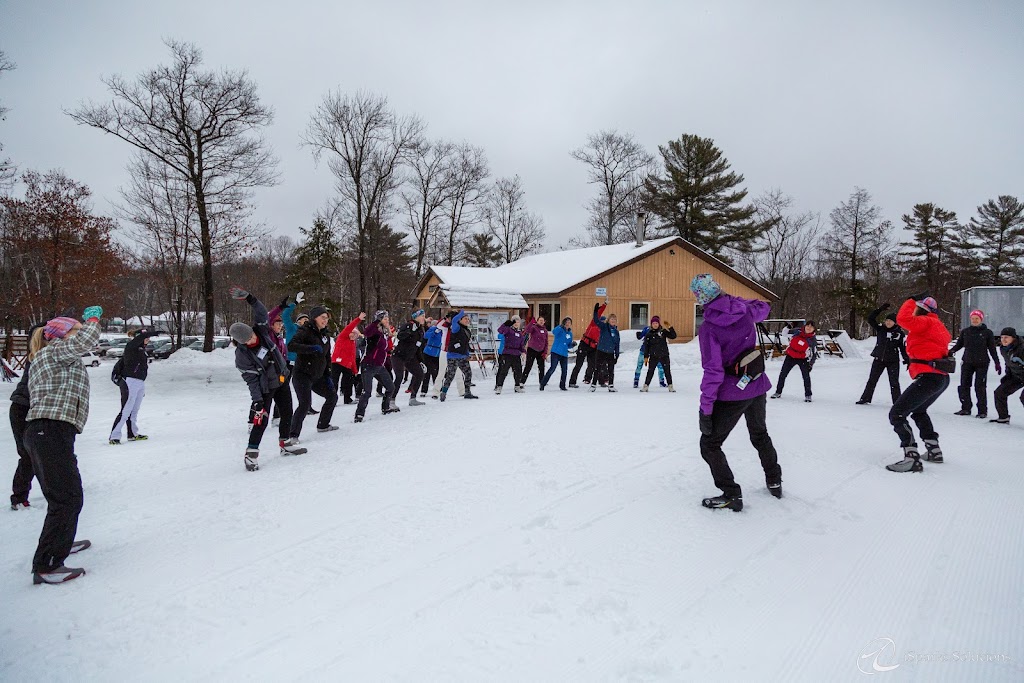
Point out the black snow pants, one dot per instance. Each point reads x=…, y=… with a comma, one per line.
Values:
x=23, y=474
x=51, y=444
x=914, y=402
x=978, y=372
x=724, y=418
x=787, y=366
x=1008, y=386
x=878, y=366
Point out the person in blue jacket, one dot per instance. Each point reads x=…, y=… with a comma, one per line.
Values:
x=561, y=344
x=432, y=339
x=607, y=350
x=642, y=336
x=458, y=356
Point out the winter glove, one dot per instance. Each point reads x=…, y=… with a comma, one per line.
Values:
x=300, y=297
x=918, y=297
x=886, y=306
x=706, y=424
x=257, y=413
x=999, y=369
x=238, y=293
x=92, y=312
x=316, y=348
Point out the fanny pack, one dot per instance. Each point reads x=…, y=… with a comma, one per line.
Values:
x=945, y=365
x=750, y=363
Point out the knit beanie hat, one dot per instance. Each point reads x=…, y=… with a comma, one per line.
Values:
x=417, y=313
x=978, y=313
x=705, y=289
x=380, y=315
x=929, y=304
x=891, y=316
x=1008, y=332
x=317, y=311
x=58, y=328
x=240, y=332
x=655, y=319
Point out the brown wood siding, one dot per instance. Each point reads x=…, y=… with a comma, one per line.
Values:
x=662, y=279
x=423, y=296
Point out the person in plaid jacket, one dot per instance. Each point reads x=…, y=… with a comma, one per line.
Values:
x=58, y=410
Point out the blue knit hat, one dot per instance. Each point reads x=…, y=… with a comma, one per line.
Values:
x=705, y=289
x=417, y=313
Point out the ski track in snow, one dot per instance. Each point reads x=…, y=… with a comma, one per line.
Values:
x=545, y=536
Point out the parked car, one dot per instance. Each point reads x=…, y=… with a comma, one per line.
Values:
x=156, y=343
x=218, y=343
x=164, y=351
x=90, y=358
x=114, y=344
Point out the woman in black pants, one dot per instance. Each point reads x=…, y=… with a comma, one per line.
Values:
x=22, y=484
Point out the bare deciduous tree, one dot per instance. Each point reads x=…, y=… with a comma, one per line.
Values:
x=204, y=125
x=617, y=164
x=430, y=186
x=464, y=204
x=365, y=143
x=7, y=169
x=516, y=230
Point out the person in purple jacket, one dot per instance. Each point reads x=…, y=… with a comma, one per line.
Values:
x=374, y=367
x=734, y=386
x=511, y=354
x=536, y=348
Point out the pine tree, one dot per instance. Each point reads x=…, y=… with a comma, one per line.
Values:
x=482, y=251
x=317, y=267
x=699, y=198
x=995, y=239
x=390, y=261
x=927, y=256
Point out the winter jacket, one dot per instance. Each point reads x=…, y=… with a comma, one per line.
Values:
x=1014, y=357
x=432, y=339
x=307, y=361
x=263, y=366
x=927, y=338
x=728, y=331
x=514, y=340
x=458, y=338
x=376, y=345
x=889, y=345
x=290, y=328
x=135, y=363
x=608, y=342
x=593, y=333
x=538, y=335
x=803, y=346
x=345, y=348
x=410, y=341
x=58, y=385
x=20, y=395
x=561, y=341
x=978, y=344
x=656, y=342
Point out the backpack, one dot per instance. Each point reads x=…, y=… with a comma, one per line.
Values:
x=117, y=374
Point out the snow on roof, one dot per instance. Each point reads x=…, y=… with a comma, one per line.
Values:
x=547, y=273
x=469, y=297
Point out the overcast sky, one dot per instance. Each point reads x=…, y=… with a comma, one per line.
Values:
x=914, y=101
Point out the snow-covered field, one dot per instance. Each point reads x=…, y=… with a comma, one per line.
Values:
x=539, y=537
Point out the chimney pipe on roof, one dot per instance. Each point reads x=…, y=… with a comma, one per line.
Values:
x=640, y=228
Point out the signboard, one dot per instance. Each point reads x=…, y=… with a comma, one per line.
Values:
x=601, y=291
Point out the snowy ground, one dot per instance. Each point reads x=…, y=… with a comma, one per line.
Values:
x=543, y=537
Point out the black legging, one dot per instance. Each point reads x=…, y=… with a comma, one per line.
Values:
x=383, y=376
x=305, y=386
x=402, y=366
x=433, y=364
x=22, y=484
x=505, y=363
x=585, y=354
x=879, y=366
x=979, y=373
x=914, y=402
x=805, y=370
x=533, y=355
x=605, y=363
x=652, y=365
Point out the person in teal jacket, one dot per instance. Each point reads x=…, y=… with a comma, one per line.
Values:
x=561, y=343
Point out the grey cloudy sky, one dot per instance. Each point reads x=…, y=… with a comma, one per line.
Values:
x=915, y=101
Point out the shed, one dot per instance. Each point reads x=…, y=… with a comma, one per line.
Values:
x=1003, y=307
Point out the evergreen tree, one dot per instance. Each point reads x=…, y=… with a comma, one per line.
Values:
x=317, y=266
x=928, y=256
x=482, y=251
x=995, y=239
x=391, y=264
x=699, y=198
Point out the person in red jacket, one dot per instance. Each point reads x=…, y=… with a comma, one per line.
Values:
x=586, y=350
x=928, y=348
x=802, y=352
x=343, y=359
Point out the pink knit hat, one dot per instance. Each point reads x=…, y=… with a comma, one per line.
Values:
x=978, y=313
x=58, y=328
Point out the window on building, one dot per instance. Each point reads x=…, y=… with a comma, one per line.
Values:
x=551, y=312
x=639, y=315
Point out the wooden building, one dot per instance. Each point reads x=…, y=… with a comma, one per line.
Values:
x=638, y=280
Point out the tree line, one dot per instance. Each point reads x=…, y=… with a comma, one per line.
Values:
x=185, y=226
